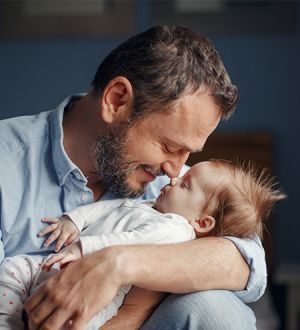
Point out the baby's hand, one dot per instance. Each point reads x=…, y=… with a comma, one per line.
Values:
x=64, y=257
x=63, y=229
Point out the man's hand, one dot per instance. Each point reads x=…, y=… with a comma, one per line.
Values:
x=68, y=254
x=63, y=230
x=76, y=293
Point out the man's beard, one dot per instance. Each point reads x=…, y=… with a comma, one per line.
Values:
x=113, y=165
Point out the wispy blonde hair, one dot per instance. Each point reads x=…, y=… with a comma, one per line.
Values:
x=241, y=204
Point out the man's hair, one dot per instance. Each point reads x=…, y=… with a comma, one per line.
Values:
x=241, y=204
x=162, y=64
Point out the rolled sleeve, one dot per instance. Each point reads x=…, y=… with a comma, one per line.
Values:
x=2, y=254
x=253, y=252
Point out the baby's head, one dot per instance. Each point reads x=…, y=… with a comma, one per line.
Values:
x=219, y=198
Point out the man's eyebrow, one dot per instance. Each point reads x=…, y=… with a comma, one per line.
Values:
x=184, y=146
x=187, y=148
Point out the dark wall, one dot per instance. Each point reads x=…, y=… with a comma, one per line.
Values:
x=36, y=75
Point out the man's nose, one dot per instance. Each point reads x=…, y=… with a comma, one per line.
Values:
x=173, y=165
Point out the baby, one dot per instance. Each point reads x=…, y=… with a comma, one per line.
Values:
x=213, y=198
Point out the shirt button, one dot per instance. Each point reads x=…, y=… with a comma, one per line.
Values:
x=77, y=175
x=84, y=197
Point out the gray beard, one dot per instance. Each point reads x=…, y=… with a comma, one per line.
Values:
x=112, y=163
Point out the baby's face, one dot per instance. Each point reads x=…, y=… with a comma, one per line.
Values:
x=186, y=195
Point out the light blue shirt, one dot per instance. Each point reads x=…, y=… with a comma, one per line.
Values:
x=38, y=179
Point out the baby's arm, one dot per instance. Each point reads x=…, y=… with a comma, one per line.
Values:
x=157, y=229
x=166, y=228
x=138, y=305
x=65, y=229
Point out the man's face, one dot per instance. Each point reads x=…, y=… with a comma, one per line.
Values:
x=131, y=156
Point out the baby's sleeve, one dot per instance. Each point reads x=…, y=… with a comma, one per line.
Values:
x=158, y=229
x=88, y=214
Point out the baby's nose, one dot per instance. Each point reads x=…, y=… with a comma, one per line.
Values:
x=173, y=181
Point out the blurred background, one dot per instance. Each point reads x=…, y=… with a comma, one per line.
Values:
x=51, y=49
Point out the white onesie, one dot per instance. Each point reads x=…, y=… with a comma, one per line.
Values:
x=104, y=223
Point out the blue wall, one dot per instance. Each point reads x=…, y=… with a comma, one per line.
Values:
x=36, y=75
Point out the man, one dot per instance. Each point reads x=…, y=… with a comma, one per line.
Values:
x=154, y=99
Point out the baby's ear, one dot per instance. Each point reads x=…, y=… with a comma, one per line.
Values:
x=203, y=225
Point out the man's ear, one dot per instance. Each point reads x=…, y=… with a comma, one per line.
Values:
x=204, y=225
x=117, y=100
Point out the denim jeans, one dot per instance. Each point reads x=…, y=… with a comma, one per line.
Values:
x=207, y=310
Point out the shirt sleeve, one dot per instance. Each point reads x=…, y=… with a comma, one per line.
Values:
x=163, y=229
x=253, y=252
x=2, y=253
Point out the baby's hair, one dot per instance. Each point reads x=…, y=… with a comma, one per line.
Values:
x=243, y=202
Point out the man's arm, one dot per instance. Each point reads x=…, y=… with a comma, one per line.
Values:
x=137, y=307
x=88, y=285
x=203, y=264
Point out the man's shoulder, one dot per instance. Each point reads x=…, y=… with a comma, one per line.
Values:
x=18, y=132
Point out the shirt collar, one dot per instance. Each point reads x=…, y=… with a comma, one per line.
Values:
x=62, y=163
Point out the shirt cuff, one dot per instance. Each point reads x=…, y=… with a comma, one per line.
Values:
x=253, y=252
x=77, y=219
